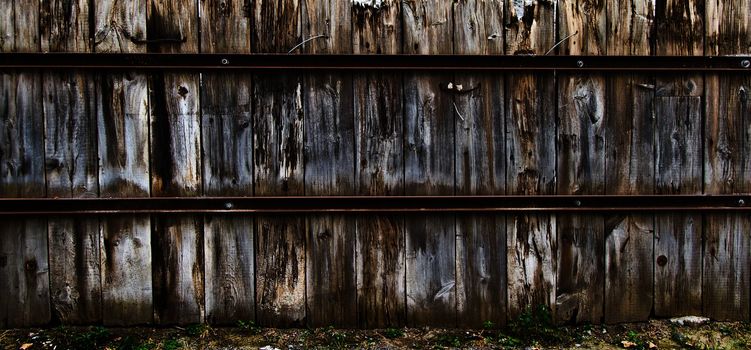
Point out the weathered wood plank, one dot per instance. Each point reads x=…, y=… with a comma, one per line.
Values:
x=176, y=166
x=64, y=26
x=379, y=168
x=278, y=169
x=629, y=166
x=178, y=269
x=120, y=26
x=678, y=165
x=123, y=144
x=581, y=165
x=126, y=271
x=23, y=242
x=227, y=140
x=530, y=149
x=24, y=273
x=329, y=167
x=429, y=168
x=480, y=167
x=629, y=145
x=280, y=271
x=727, y=165
x=678, y=153
x=531, y=240
x=75, y=275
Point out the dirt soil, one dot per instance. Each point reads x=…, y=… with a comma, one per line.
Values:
x=657, y=334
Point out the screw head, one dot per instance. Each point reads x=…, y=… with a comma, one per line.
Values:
x=745, y=63
x=580, y=64
x=741, y=202
x=578, y=203
x=228, y=205
x=225, y=61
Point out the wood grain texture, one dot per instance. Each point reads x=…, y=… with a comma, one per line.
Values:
x=127, y=289
x=480, y=167
x=629, y=166
x=230, y=268
x=278, y=169
x=629, y=169
x=530, y=150
x=227, y=141
x=379, y=169
x=581, y=170
x=123, y=143
x=23, y=242
x=329, y=167
x=429, y=168
x=75, y=274
x=531, y=240
x=727, y=145
x=678, y=166
x=120, y=26
x=64, y=26
x=177, y=247
x=72, y=167
x=24, y=273
x=679, y=29
x=280, y=271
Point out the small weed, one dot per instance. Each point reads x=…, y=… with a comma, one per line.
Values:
x=393, y=333
x=488, y=324
x=171, y=344
x=249, y=326
x=536, y=324
x=74, y=339
x=334, y=337
x=451, y=340
x=200, y=330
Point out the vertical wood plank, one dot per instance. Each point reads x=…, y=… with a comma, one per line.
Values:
x=581, y=165
x=678, y=158
x=379, y=168
x=126, y=271
x=429, y=168
x=531, y=240
x=227, y=140
x=727, y=165
x=69, y=104
x=629, y=166
x=123, y=139
x=278, y=169
x=23, y=242
x=177, y=247
x=329, y=168
x=480, y=167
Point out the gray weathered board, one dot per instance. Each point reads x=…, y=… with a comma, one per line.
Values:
x=133, y=134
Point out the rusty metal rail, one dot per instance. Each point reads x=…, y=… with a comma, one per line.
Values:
x=356, y=204
x=275, y=62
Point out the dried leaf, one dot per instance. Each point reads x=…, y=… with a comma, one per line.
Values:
x=26, y=346
x=628, y=344
x=652, y=345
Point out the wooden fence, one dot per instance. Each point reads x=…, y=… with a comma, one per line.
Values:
x=132, y=134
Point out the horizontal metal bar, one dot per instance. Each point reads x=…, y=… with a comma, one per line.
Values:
x=154, y=61
x=377, y=204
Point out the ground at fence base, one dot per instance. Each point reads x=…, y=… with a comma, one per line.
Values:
x=655, y=334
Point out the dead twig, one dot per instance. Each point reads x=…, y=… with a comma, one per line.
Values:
x=306, y=40
x=560, y=42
